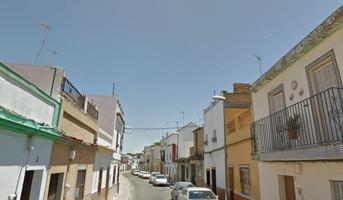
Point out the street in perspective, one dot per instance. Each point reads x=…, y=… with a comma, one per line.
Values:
x=171, y=100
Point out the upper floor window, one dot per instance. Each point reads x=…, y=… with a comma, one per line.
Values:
x=214, y=136
x=276, y=99
x=323, y=73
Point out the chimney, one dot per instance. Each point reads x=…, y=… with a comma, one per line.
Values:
x=241, y=88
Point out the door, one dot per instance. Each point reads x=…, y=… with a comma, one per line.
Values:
x=107, y=182
x=278, y=117
x=52, y=194
x=193, y=173
x=327, y=105
x=231, y=184
x=289, y=187
x=26, y=190
x=214, y=180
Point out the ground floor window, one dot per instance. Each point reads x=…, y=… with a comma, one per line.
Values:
x=80, y=184
x=244, y=172
x=337, y=190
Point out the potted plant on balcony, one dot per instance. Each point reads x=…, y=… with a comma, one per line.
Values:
x=293, y=126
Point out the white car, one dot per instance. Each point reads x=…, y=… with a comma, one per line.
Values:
x=152, y=177
x=135, y=172
x=178, y=187
x=140, y=173
x=145, y=175
x=197, y=193
x=160, y=180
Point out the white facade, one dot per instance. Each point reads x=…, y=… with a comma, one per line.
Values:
x=315, y=178
x=20, y=153
x=186, y=140
x=110, y=135
x=214, y=151
x=170, y=165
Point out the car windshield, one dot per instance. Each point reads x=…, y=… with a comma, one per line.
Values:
x=160, y=177
x=184, y=184
x=201, y=195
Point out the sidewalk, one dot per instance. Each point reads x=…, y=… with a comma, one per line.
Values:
x=124, y=188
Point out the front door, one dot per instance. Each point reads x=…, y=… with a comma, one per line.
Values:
x=193, y=173
x=231, y=183
x=289, y=187
x=214, y=181
x=107, y=183
x=55, y=186
x=26, y=190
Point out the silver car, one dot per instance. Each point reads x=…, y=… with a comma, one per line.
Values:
x=197, y=193
x=178, y=187
x=160, y=180
x=152, y=176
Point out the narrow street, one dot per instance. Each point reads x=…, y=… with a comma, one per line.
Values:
x=140, y=189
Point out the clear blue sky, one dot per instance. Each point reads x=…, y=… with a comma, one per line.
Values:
x=165, y=56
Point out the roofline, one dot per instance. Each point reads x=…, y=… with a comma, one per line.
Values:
x=330, y=25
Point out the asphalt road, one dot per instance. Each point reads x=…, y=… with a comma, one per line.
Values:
x=140, y=189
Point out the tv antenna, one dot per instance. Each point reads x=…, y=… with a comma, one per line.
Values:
x=47, y=28
x=259, y=60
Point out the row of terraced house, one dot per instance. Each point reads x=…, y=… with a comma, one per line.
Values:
x=278, y=138
x=56, y=143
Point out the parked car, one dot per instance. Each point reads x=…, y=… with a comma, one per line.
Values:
x=140, y=173
x=160, y=180
x=198, y=193
x=145, y=175
x=135, y=172
x=178, y=187
x=152, y=177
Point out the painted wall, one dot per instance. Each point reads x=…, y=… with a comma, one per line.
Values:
x=75, y=123
x=297, y=72
x=15, y=98
x=15, y=157
x=214, y=120
x=60, y=163
x=47, y=78
x=312, y=179
x=186, y=140
x=102, y=159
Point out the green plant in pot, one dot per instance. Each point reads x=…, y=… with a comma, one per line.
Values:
x=293, y=126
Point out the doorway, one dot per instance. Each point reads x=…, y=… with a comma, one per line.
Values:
x=214, y=180
x=289, y=187
x=231, y=183
x=55, y=186
x=26, y=190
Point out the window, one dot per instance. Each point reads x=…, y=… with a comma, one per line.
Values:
x=80, y=184
x=337, y=187
x=276, y=99
x=245, y=180
x=214, y=136
x=323, y=73
x=206, y=139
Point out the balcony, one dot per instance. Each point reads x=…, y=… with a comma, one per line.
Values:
x=310, y=129
x=72, y=92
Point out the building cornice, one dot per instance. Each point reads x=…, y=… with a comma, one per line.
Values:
x=330, y=25
x=19, y=124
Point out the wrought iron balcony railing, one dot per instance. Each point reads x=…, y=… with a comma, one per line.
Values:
x=73, y=93
x=315, y=121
